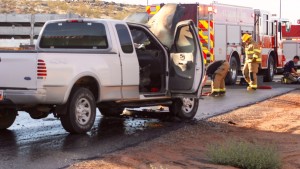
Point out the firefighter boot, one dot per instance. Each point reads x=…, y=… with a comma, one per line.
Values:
x=250, y=88
x=253, y=82
x=214, y=94
x=222, y=93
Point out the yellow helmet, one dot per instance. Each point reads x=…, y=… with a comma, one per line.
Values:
x=245, y=37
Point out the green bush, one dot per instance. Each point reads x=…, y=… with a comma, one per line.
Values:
x=244, y=155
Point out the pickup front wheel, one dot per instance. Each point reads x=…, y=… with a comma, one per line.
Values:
x=7, y=117
x=81, y=112
x=185, y=108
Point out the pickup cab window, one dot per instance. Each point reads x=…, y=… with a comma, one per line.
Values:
x=124, y=37
x=82, y=35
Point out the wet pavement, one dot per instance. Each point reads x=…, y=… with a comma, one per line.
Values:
x=237, y=96
x=45, y=144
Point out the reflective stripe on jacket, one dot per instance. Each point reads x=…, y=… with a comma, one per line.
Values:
x=253, y=52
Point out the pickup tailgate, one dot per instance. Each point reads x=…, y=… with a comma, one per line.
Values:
x=18, y=70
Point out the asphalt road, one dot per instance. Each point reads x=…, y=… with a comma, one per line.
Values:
x=45, y=144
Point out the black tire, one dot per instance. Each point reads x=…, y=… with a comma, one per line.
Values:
x=81, y=111
x=269, y=73
x=110, y=111
x=185, y=108
x=233, y=72
x=7, y=117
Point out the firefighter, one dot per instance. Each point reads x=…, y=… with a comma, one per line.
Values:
x=252, y=61
x=290, y=71
x=217, y=71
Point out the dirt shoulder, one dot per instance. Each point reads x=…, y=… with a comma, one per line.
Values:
x=275, y=121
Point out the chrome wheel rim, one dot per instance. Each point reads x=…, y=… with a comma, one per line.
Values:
x=83, y=111
x=188, y=105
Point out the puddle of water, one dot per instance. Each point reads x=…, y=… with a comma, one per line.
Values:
x=27, y=130
x=131, y=122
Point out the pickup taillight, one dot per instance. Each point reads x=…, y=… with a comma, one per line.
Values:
x=41, y=69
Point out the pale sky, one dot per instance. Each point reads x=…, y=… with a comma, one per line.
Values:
x=290, y=9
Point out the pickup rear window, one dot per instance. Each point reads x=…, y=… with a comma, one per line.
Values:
x=82, y=35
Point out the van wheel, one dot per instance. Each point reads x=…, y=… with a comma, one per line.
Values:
x=233, y=72
x=7, y=117
x=81, y=113
x=185, y=108
x=269, y=73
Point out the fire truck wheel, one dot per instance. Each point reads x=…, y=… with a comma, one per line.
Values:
x=7, y=118
x=269, y=73
x=184, y=108
x=233, y=72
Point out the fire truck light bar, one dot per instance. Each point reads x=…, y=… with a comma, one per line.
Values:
x=211, y=9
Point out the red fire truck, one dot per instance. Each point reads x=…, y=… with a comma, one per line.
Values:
x=221, y=28
x=291, y=42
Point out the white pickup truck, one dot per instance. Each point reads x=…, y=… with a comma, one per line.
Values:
x=79, y=65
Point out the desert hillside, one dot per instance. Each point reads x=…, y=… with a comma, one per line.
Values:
x=85, y=8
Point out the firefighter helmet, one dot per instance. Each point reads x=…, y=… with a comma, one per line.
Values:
x=245, y=37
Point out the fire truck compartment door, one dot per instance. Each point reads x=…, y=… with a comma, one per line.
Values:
x=186, y=61
x=290, y=49
x=220, y=42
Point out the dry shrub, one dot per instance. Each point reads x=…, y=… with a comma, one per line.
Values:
x=243, y=154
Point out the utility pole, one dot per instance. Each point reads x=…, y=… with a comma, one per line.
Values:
x=280, y=9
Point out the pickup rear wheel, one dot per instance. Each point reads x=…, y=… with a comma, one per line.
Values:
x=81, y=113
x=185, y=108
x=7, y=117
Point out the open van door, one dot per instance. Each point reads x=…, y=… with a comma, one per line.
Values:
x=186, y=61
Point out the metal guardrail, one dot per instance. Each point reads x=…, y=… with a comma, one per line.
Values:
x=26, y=26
